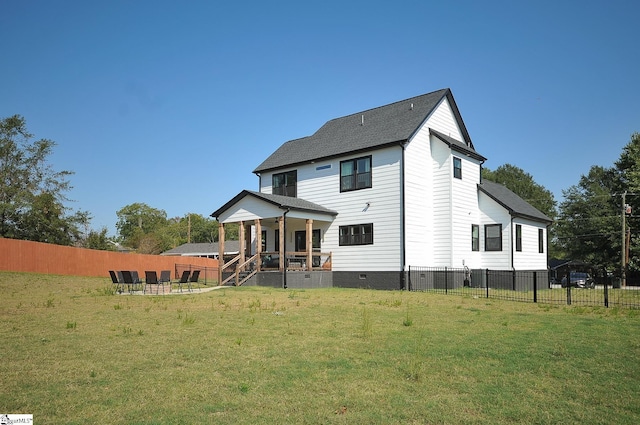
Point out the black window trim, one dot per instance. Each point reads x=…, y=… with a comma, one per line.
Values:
x=356, y=174
x=519, y=237
x=353, y=240
x=475, y=237
x=285, y=188
x=457, y=171
x=489, y=246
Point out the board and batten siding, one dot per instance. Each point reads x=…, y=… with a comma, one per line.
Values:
x=530, y=258
x=320, y=183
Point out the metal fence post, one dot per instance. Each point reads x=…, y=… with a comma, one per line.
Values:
x=535, y=287
x=409, y=280
x=446, y=281
x=606, y=294
x=486, y=283
x=568, y=293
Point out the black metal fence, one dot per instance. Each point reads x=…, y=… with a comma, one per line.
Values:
x=528, y=286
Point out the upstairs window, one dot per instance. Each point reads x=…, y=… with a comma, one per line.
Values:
x=285, y=183
x=518, y=237
x=457, y=168
x=355, y=174
x=475, y=237
x=359, y=234
x=493, y=237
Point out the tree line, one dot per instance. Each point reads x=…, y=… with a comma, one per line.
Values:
x=33, y=206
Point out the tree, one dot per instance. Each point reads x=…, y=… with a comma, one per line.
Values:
x=522, y=184
x=590, y=219
x=588, y=223
x=136, y=222
x=32, y=193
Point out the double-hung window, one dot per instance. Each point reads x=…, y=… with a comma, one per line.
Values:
x=284, y=183
x=358, y=234
x=493, y=237
x=457, y=168
x=355, y=174
x=519, y=237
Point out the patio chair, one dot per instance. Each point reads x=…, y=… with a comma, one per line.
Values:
x=194, y=276
x=136, y=278
x=184, y=278
x=117, y=282
x=151, y=278
x=127, y=279
x=165, y=277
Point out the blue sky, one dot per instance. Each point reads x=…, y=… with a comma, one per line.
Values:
x=175, y=103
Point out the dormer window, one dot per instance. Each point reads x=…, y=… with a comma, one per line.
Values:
x=285, y=183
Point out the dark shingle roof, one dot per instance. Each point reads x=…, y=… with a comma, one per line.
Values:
x=283, y=202
x=375, y=128
x=512, y=202
x=457, y=145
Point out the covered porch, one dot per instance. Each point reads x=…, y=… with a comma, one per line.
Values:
x=276, y=234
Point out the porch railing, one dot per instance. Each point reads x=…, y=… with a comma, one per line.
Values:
x=296, y=261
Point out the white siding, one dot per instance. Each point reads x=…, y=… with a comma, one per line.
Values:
x=321, y=184
x=493, y=213
x=529, y=258
x=249, y=208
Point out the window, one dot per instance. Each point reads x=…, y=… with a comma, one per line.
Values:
x=475, y=237
x=540, y=241
x=493, y=237
x=285, y=183
x=457, y=168
x=276, y=240
x=355, y=174
x=263, y=245
x=359, y=234
x=518, y=237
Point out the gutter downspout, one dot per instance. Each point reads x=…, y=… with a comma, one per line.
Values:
x=284, y=248
x=403, y=247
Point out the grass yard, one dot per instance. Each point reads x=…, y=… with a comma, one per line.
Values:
x=74, y=352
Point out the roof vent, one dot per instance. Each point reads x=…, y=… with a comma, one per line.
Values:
x=411, y=109
x=362, y=120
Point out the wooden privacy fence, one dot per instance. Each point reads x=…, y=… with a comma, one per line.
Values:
x=38, y=257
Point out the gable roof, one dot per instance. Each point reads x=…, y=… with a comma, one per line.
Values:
x=457, y=145
x=379, y=127
x=513, y=203
x=283, y=202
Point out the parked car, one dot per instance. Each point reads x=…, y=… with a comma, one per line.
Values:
x=578, y=280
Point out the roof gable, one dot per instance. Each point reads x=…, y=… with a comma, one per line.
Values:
x=512, y=202
x=371, y=129
x=282, y=202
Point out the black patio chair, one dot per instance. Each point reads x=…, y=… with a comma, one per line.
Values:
x=127, y=279
x=151, y=278
x=194, y=276
x=137, y=282
x=184, y=278
x=117, y=282
x=165, y=277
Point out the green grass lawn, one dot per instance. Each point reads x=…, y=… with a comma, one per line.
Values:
x=74, y=352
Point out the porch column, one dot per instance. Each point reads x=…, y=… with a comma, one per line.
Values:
x=241, y=242
x=281, y=242
x=309, y=243
x=258, y=224
x=220, y=251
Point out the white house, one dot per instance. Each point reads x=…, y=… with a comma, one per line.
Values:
x=372, y=193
